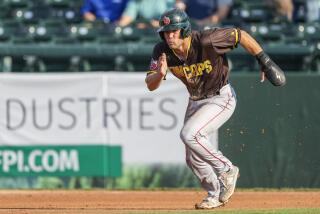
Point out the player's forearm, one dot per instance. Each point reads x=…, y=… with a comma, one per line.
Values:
x=154, y=80
x=249, y=43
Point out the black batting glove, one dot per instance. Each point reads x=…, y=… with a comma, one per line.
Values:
x=272, y=71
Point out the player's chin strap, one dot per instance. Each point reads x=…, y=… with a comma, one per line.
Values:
x=272, y=71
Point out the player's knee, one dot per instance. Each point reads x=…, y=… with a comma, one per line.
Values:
x=183, y=135
x=187, y=135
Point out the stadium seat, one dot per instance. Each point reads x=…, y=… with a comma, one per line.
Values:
x=46, y=30
x=10, y=28
x=13, y=64
x=33, y=64
x=58, y=3
x=311, y=32
x=37, y=13
x=267, y=32
x=21, y=64
x=39, y=33
x=303, y=33
x=53, y=64
x=83, y=32
x=94, y=32
x=67, y=10
x=251, y=13
x=132, y=33
x=4, y=12
x=25, y=15
x=68, y=14
x=77, y=64
x=16, y=3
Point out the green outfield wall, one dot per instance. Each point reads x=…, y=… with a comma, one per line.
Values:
x=274, y=134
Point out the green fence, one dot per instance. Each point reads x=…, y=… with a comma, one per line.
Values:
x=274, y=134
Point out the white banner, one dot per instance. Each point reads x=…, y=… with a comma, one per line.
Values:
x=94, y=108
x=50, y=109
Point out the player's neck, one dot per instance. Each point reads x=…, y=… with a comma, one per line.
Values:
x=182, y=51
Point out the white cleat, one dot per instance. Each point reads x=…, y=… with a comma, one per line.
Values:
x=228, y=180
x=209, y=203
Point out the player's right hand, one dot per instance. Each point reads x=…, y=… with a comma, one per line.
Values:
x=162, y=64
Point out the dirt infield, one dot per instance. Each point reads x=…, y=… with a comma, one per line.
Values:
x=102, y=201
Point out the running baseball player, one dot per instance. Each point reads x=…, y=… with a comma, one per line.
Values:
x=198, y=59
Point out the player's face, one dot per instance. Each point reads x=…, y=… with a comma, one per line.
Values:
x=173, y=38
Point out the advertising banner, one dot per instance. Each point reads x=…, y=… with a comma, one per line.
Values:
x=49, y=118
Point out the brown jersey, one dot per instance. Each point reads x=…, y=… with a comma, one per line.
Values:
x=205, y=70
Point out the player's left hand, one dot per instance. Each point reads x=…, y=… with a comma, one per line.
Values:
x=162, y=64
x=270, y=70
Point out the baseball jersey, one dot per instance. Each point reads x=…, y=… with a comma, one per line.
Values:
x=206, y=69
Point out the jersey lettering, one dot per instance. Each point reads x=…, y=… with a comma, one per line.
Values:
x=187, y=72
x=208, y=66
x=193, y=70
x=177, y=70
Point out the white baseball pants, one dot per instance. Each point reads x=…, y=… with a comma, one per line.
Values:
x=202, y=120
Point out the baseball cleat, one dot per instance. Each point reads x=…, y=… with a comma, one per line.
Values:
x=228, y=181
x=209, y=203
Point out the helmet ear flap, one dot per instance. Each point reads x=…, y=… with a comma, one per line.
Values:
x=182, y=33
x=162, y=35
x=187, y=30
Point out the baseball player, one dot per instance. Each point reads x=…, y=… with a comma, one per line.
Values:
x=198, y=59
